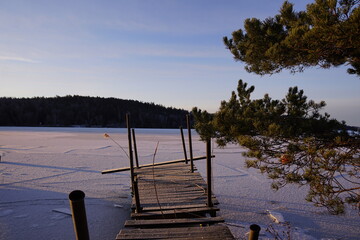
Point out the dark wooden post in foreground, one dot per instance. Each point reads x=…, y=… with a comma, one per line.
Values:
x=183, y=143
x=208, y=173
x=130, y=150
x=79, y=214
x=254, y=232
x=135, y=149
x=190, y=142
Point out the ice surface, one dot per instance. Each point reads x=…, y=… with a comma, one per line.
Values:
x=41, y=166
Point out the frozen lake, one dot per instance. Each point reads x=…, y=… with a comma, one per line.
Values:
x=40, y=166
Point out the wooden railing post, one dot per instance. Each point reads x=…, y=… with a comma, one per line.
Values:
x=190, y=142
x=254, y=232
x=135, y=149
x=183, y=143
x=78, y=211
x=130, y=150
x=208, y=173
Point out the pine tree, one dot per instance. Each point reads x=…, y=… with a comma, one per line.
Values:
x=290, y=141
x=327, y=34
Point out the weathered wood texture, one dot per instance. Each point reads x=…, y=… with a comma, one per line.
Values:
x=172, y=222
x=175, y=213
x=151, y=165
x=214, y=232
x=173, y=204
x=171, y=186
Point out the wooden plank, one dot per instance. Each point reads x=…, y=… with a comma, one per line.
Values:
x=153, y=206
x=173, y=202
x=193, y=212
x=172, y=186
x=172, y=222
x=163, y=199
x=150, y=165
x=162, y=192
x=171, y=233
x=208, y=232
x=176, y=207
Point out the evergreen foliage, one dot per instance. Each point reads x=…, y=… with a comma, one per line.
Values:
x=87, y=112
x=327, y=34
x=291, y=142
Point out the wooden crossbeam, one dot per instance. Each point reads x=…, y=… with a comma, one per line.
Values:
x=170, y=213
x=177, y=207
x=172, y=222
x=150, y=165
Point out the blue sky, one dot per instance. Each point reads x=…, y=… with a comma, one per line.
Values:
x=169, y=52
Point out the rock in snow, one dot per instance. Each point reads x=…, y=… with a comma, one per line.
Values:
x=276, y=216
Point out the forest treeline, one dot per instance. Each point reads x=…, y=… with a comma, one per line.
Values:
x=87, y=112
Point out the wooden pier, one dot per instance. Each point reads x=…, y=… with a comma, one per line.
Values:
x=170, y=199
x=170, y=202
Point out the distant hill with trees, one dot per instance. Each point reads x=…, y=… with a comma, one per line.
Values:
x=87, y=112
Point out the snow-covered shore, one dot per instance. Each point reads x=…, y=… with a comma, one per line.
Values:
x=40, y=166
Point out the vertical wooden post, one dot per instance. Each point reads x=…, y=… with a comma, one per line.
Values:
x=135, y=149
x=78, y=211
x=254, y=232
x=183, y=143
x=208, y=173
x=190, y=142
x=130, y=150
x=136, y=194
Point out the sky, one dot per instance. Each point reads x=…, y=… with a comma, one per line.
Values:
x=168, y=52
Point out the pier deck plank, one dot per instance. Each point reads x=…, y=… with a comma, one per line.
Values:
x=172, y=222
x=213, y=232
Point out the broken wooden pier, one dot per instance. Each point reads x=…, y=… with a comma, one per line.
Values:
x=172, y=205
x=172, y=201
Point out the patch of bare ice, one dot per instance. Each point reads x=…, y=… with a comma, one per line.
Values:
x=5, y=212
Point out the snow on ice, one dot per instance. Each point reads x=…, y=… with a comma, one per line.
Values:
x=40, y=166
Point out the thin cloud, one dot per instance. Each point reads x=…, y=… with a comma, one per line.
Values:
x=18, y=59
